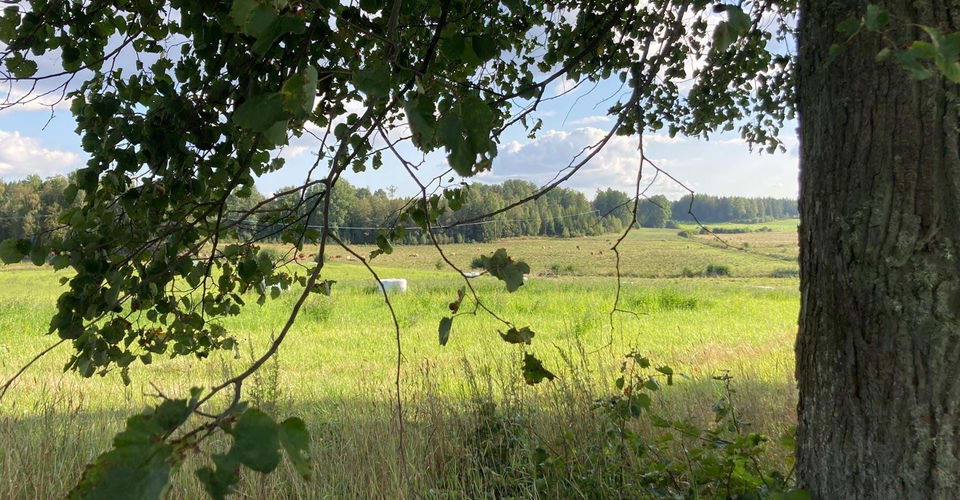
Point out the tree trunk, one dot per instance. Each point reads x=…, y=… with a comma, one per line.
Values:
x=878, y=351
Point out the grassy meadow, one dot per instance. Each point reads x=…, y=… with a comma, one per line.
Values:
x=336, y=368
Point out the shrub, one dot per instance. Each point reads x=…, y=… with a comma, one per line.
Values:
x=684, y=234
x=439, y=264
x=559, y=269
x=672, y=224
x=655, y=457
x=714, y=270
x=477, y=262
x=785, y=272
x=270, y=253
x=689, y=273
x=730, y=230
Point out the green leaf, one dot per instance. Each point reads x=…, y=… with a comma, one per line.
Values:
x=514, y=336
x=923, y=50
x=20, y=66
x=423, y=123
x=876, y=18
x=241, y=12
x=260, y=112
x=139, y=465
x=444, y=330
x=485, y=47
x=60, y=262
x=295, y=439
x=219, y=481
x=504, y=268
x=727, y=32
x=39, y=254
x=533, y=370
x=256, y=441
x=452, y=47
x=739, y=20
x=373, y=80
x=299, y=92
x=10, y=252
x=849, y=26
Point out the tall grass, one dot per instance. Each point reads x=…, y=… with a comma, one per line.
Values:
x=472, y=428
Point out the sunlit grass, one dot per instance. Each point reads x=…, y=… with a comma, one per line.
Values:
x=336, y=369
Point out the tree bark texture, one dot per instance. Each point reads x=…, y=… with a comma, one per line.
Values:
x=878, y=350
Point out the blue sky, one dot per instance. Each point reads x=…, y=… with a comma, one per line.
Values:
x=33, y=143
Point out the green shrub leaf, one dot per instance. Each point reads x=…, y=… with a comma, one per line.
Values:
x=533, y=370
x=295, y=439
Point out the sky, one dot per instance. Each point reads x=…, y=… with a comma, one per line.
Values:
x=33, y=142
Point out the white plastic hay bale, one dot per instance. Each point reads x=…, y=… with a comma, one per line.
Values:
x=394, y=285
x=280, y=287
x=471, y=274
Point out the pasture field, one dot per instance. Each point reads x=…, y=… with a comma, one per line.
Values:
x=336, y=369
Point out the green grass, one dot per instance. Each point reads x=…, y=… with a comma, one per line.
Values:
x=780, y=225
x=337, y=365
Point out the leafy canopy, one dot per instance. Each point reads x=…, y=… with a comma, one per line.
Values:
x=182, y=104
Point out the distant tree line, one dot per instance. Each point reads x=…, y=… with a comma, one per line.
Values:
x=33, y=205
x=734, y=209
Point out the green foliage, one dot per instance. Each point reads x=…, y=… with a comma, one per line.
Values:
x=257, y=443
x=711, y=271
x=503, y=267
x=559, y=269
x=160, y=258
x=921, y=58
x=444, y=330
x=533, y=370
x=719, y=460
x=785, y=273
x=518, y=336
x=714, y=270
x=140, y=463
x=706, y=208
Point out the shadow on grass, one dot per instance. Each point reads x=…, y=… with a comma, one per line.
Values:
x=487, y=438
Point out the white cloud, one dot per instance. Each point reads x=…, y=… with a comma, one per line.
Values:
x=705, y=167
x=13, y=100
x=21, y=155
x=590, y=120
x=563, y=86
x=616, y=165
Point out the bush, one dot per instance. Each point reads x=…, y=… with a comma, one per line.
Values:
x=785, y=272
x=684, y=234
x=439, y=264
x=714, y=270
x=477, y=262
x=672, y=224
x=559, y=269
x=729, y=230
x=270, y=253
x=640, y=450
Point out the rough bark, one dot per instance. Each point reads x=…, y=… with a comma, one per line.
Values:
x=878, y=351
